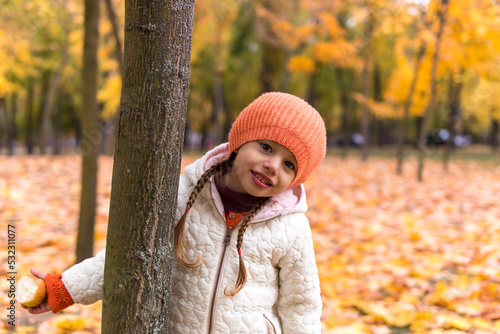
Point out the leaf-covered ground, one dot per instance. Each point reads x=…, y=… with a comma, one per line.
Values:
x=394, y=255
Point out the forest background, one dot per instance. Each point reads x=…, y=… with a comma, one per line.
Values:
x=361, y=63
x=395, y=255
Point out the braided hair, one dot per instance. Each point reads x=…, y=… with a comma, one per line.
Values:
x=242, y=273
x=180, y=250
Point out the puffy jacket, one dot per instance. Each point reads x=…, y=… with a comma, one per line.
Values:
x=282, y=293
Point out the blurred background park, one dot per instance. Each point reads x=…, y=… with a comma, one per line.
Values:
x=396, y=81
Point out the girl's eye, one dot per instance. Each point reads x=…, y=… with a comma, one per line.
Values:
x=289, y=165
x=266, y=147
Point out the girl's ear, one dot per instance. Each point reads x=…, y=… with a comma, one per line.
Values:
x=233, y=155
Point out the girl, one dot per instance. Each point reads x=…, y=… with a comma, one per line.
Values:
x=245, y=259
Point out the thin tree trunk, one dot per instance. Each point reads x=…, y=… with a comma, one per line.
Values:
x=58, y=123
x=285, y=77
x=265, y=75
x=495, y=133
x=75, y=122
x=365, y=88
x=29, y=116
x=51, y=97
x=146, y=166
x=111, y=125
x=345, y=84
x=432, y=102
x=11, y=124
x=312, y=92
x=218, y=107
x=91, y=133
x=454, y=112
x=2, y=121
x=403, y=122
x=110, y=10
x=45, y=84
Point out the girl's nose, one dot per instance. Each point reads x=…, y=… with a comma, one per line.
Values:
x=272, y=164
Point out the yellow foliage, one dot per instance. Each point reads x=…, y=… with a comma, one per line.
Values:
x=301, y=64
x=331, y=25
x=339, y=52
x=380, y=109
x=109, y=96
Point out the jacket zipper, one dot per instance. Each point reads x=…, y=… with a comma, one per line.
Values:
x=227, y=241
x=271, y=323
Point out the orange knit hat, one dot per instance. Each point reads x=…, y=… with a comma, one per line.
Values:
x=287, y=120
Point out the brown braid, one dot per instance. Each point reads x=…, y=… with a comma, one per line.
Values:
x=241, y=280
x=179, y=248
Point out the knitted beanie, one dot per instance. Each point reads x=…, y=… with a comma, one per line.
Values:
x=287, y=120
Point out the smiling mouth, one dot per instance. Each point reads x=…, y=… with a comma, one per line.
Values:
x=262, y=179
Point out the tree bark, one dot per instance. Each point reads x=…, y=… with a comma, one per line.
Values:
x=146, y=166
x=91, y=133
x=443, y=11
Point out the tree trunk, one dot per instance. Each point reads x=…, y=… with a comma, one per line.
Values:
x=271, y=60
x=146, y=166
x=58, y=123
x=453, y=117
x=111, y=125
x=345, y=84
x=110, y=10
x=218, y=107
x=365, y=88
x=403, y=122
x=75, y=122
x=312, y=92
x=3, y=121
x=49, y=103
x=432, y=101
x=495, y=133
x=44, y=92
x=29, y=117
x=11, y=124
x=91, y=133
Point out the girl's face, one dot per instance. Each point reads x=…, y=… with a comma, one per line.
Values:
x=262, y=168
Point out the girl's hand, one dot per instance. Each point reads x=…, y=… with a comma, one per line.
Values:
x=44, y=306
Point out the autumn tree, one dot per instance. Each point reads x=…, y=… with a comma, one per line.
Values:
x=146, y=166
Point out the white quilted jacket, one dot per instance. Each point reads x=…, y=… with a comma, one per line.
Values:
x=282, y=293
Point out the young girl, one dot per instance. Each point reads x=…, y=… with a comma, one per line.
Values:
x=245, y=259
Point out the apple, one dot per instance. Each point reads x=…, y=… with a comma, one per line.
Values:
x=30, y=290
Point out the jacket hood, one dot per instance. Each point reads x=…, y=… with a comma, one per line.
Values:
x=292, y=200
